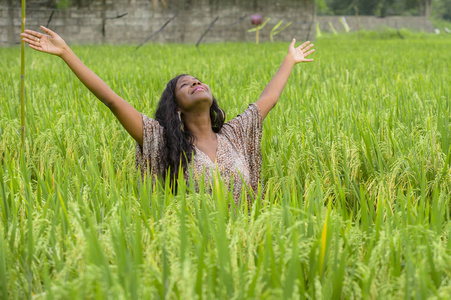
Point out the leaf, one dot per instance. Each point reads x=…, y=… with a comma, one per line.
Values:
x=283, y=28
x=276, y=26
x=259, y=27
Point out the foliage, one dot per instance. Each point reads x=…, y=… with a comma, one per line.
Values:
x=63, y=4
x=382, y=8
x=442, y=9
x=276, y=30
x=442, y=24
x=356, y=159
x=259, y=27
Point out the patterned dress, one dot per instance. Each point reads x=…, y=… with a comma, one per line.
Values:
x=238, y=154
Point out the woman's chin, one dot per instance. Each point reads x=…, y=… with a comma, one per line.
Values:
x=202, y=98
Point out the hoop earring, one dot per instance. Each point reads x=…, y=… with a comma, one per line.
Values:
x=182, y=126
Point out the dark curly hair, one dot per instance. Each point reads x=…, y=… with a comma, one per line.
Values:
x=179, y=143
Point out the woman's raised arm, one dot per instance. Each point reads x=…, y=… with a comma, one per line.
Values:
x=52, y=43
x=273, y=90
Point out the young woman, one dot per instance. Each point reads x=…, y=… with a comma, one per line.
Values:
x=188, y=130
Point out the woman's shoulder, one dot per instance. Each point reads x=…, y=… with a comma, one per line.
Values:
x=152, y=130
x=251, y=116
x=244, y=128
x=151, y=122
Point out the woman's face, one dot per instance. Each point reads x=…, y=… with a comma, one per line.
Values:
x=192, y=94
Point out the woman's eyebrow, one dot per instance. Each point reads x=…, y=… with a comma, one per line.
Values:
x=180, y=82
x=183, y=81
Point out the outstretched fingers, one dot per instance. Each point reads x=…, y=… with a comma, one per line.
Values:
x=48, y=31
x=308, y=53
x=30, y=41
x=38, y=48
x=33, y=33
x=36, y=45
x=34, y=39
x=304, y=45
x=306, y=48
x=30, y=38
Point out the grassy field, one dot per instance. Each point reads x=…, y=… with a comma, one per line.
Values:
x=356, y=166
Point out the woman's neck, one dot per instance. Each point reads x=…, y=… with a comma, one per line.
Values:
x=199, y=123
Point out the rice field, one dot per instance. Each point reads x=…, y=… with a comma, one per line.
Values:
x=356, y=171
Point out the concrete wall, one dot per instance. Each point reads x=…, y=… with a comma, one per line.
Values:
x=373, y=23
x=83, y=24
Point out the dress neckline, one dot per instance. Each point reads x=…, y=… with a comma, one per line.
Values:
x=216, y=152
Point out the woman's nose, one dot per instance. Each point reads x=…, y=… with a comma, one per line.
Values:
x=195, y=82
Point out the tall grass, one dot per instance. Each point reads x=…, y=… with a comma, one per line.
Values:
x=356, y=171
x=22, y=77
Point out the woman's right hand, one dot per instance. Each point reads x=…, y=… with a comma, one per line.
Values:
x=49, y=43
x=52, y=43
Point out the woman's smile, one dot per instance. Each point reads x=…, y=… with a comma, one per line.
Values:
x=197, y=89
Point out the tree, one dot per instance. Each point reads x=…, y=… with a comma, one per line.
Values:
x=340, y=7
x=382, y=8
x=441, y=9
x=367, y=7
x=427, y=8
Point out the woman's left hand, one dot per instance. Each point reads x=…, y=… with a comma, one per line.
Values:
x=300, y=53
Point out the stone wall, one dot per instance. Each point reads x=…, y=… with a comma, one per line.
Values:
x=374, y=23
x=95, y=22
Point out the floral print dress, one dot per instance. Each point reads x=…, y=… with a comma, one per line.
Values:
x=238, y=154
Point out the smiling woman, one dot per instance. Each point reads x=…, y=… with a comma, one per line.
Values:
x=188, y=131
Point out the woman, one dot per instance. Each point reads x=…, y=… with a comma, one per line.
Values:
x=188, y=130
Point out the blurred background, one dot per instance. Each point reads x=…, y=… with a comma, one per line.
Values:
x=188, y=21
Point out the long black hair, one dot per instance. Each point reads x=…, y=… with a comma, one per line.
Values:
x=180, y=142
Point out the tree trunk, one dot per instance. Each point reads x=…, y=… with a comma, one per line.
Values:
x=427, y=8
x=154, y=4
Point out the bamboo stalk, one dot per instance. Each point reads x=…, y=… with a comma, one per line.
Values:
x=22, y=80
x=256, y=36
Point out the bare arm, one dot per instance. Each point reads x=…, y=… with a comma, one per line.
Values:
x=52, y=43
x=273, y=90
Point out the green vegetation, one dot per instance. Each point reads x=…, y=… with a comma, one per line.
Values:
x=385, y=33
x=440, y=9
x=356, y=170
x=442, y=25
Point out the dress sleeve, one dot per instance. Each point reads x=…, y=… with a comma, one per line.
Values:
x=148, y=156
x=248, y=127
x=246, y=132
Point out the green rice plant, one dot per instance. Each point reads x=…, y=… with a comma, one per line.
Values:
x=22, y=77
x=356, y=178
